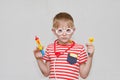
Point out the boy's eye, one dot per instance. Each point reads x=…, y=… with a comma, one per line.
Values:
x=60, y=30
x=68, y=30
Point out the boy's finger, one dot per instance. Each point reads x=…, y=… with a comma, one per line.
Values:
x=36, y=50
x=89, y=44
x=43, y=47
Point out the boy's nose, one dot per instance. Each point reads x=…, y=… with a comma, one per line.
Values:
x=64, y=33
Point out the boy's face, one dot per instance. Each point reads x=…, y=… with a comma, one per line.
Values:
x=63, y=32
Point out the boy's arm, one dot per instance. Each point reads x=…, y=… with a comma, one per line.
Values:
x=85, y=67
x=44, y=67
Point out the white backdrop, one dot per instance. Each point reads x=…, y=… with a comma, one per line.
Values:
x=21, y=20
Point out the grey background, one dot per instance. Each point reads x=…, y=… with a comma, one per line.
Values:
x=21, y=20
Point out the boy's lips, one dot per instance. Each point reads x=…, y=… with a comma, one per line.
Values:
x=64, y=38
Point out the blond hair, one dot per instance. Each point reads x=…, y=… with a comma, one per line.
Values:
x=63, y=16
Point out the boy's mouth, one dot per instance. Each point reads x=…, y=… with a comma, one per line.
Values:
x=65, y=38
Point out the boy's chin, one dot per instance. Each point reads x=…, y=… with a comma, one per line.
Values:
x=64, y=41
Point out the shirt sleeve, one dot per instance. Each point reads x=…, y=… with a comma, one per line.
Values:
x=83, y=55
x=46, y=56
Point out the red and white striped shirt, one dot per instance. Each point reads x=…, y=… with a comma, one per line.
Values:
x=60, y=68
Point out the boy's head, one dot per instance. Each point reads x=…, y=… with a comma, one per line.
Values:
x=63, y=26
x=63, y=17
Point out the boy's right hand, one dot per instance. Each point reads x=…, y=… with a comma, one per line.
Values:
x=37, y=54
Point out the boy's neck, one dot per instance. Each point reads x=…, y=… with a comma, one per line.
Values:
x=64, y=43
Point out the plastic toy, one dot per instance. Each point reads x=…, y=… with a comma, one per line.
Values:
x=39, y=45
x=91, y=39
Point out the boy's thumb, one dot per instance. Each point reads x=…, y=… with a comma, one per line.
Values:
x=42, y=47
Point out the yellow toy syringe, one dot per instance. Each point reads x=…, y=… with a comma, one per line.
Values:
x=91, y=40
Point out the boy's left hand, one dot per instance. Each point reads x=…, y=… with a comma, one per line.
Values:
x=90, y=49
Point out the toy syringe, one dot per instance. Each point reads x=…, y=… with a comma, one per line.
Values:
x=39, y=45
x=91, y=40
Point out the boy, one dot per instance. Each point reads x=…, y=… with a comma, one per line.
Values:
x=65, y=59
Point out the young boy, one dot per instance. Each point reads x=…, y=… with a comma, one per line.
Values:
x=65, y=59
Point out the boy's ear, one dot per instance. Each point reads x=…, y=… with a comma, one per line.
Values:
x=53, y=30
x=74, y=29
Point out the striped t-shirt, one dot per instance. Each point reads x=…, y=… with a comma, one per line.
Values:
x=60, y=68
